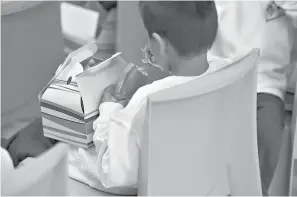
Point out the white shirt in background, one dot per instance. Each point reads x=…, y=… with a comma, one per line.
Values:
x=290, y=8
x=242, y=26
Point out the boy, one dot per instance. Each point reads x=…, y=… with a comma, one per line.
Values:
x=180, y=34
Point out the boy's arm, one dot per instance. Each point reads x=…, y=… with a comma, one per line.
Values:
x=116, y=143
x=117, y=138
x=290, y=8
x=116, y=128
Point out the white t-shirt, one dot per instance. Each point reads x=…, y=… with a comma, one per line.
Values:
x=115, y=158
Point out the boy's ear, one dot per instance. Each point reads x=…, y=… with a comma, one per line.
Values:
x=161, y=42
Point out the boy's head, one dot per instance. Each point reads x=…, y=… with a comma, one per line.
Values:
x=179, y=29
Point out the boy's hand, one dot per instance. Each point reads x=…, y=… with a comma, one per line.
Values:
x=273, y=11
x=108, y=96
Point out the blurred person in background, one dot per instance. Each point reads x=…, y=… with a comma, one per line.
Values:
x=269, y=27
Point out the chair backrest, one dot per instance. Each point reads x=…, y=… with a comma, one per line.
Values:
x=200, y=137
x=46, y=175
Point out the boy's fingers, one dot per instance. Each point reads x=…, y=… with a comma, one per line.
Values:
x=124, y=102
x=107, y=94
x=109, y=89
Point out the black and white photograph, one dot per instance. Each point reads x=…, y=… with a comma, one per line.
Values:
x=149, y=98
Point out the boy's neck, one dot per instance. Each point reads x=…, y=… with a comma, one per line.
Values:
x=194, y=66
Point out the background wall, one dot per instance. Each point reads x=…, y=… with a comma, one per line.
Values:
x=31, y=50
x=131, y=34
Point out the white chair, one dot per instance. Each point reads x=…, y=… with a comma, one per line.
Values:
x=44, y=176
x=200, y=137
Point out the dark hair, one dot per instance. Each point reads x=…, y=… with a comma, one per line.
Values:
x=190, y=26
